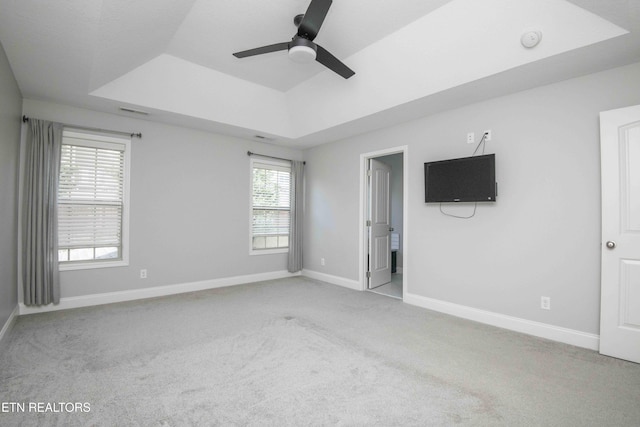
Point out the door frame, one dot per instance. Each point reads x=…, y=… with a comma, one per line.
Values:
x=362, y=224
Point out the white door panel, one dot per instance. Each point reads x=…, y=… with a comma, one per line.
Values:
x=620, y=299
x=380, y=217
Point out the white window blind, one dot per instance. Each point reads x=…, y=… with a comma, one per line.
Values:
x=270, y=205
x=91, y=198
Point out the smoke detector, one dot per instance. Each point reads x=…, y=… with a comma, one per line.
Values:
x=531, y=38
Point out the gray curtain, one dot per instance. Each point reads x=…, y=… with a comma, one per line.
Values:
x=40, y=220
x=294, y=262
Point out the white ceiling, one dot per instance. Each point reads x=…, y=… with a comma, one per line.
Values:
x=411, y=58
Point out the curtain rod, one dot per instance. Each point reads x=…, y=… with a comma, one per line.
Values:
x=249, y=153
x=132, y=135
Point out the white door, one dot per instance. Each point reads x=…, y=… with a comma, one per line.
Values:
x=620, y=300
x=380, y=223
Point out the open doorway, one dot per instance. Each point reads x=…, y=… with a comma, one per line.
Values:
x=384, y=208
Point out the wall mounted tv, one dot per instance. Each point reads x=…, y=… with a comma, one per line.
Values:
x=467, y=179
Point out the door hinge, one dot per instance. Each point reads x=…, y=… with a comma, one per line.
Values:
x=368, y=275
x=368, y=223
x=369, y=172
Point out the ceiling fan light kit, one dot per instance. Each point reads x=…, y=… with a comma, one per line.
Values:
x=301, y=48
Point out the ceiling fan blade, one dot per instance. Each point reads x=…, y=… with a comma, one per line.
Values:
x=264, y=49
x=313, y=18
x=333, y=63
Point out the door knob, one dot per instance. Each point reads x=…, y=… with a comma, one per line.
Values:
x=390, y=228
x=611, y=244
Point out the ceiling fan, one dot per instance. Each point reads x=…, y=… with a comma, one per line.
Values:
x=301, y=47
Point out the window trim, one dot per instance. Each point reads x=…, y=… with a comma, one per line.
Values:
x=96, y=139
x=264, y=162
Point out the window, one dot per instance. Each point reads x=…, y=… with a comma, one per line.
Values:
x=93, y=201
x=270, y=206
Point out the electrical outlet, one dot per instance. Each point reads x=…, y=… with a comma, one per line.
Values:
x=321, y=261
x=545, y=303
x=471, y=138
x=487, y=135
x=143, y=273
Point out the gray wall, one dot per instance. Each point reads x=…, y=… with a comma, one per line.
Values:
x=10, y=111
x=542, y=236
x=395, y=162
x=189, y=205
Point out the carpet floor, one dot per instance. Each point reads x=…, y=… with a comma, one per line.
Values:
x=300, y=352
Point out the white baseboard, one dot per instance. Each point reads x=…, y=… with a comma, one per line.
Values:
x=9, y=323
x=334, y=280
x=542, y=330
x=538, y=329
x=158, y=291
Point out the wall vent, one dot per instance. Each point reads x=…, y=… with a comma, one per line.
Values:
x=131, y=110
x=263, y=138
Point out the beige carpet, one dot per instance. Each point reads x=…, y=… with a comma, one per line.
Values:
x=301, y=352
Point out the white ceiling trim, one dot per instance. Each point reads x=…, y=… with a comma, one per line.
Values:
x=461, y=42
x=174, y=59
x=174, y=85
x=128, y=34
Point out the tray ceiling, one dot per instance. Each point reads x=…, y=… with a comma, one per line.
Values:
x=174, y=59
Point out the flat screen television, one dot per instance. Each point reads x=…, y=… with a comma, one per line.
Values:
x=467, y=179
